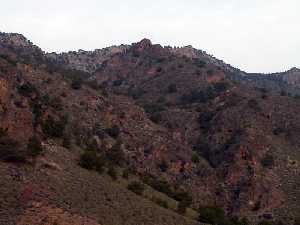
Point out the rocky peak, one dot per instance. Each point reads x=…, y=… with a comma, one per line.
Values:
x=142, y=45
x=15, y=39
x=294, y=70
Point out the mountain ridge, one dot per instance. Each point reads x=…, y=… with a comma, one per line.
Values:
x=186, y=130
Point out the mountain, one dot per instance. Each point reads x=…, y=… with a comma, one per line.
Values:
x=143, y=134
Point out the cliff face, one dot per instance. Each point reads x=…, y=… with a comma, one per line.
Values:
x=173, y=117
x=87, y=61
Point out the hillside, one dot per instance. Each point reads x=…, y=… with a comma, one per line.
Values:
x=191, y=139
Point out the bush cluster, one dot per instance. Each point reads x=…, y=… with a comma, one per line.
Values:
x=136, y=187
x=54, y=128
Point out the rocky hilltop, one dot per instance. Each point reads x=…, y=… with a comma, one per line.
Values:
x=142, y=134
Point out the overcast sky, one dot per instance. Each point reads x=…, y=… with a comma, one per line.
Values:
x=253, y=35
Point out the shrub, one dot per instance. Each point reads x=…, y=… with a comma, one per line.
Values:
x=117, y=83
x=66, y=141
x=114, y=131
x=112, y=173
x=115, y=155
x=220, y=87
x=88, y=160
x=153, y=108
x=34, y=147
x=3, y=132
x=205, y=119
x=212, y=214
x=172, y=88
x=163, y=166
x=297, y=221
x=156, y=117
x=54, y=128
x=253, y=104
x=26, y=89
x=125, y=174
x=9, y=151
x=56, y=103
x=267, y=161
x=183, y=197
x=159, y=185
x=265, y=222
x=210, y=72
x=136, y=93
x=160, y=202
x=181, y=207
x=136, y=187
x=196, y=96
x=76, y=83
x=200, y=63
x=195, y=158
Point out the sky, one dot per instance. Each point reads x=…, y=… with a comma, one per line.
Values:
x=253, y=35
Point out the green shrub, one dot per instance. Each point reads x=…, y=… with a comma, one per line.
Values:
x=76, y=83
x=160, y=202
x=156, y=117
x=56, y=103
x=195, y=158
x=159, y=185
x=172, y=88
x=9, y=151
x=136, y=187
x=212, y=215
x=210, y=72
x=88, y=160
x=27, y=89
x=125, y=174
x=3, y=132
x=115, y=155
x=114, y=131
x=220, y=87
x=54, y=128
x=181, y=207
x=153, y=108
x=34, y=147
x=253, y=104
x=200, y=63
x=199, y=96
x=265, y=222
x=112, y=173
x=66, y=141
x=183, y=197
x=267, y=161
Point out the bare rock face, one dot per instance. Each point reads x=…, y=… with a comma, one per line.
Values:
x=87, y=61
x=292, y=77
x=14, y=39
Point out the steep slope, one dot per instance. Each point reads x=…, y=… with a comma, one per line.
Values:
x=42, y=183
x=173, y=117
x=234, y=127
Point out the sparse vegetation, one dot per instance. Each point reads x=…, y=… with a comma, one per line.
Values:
x=27, y=89
x=172, y=88
x=253, y=104
x=54, y=128
x=10, y=151
x=160, y=202
x=76, y=83
x=114, y=131
x=268, y=161
x=34, y=146
x=112, y=172
x=195, y=158
x=136, y=187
